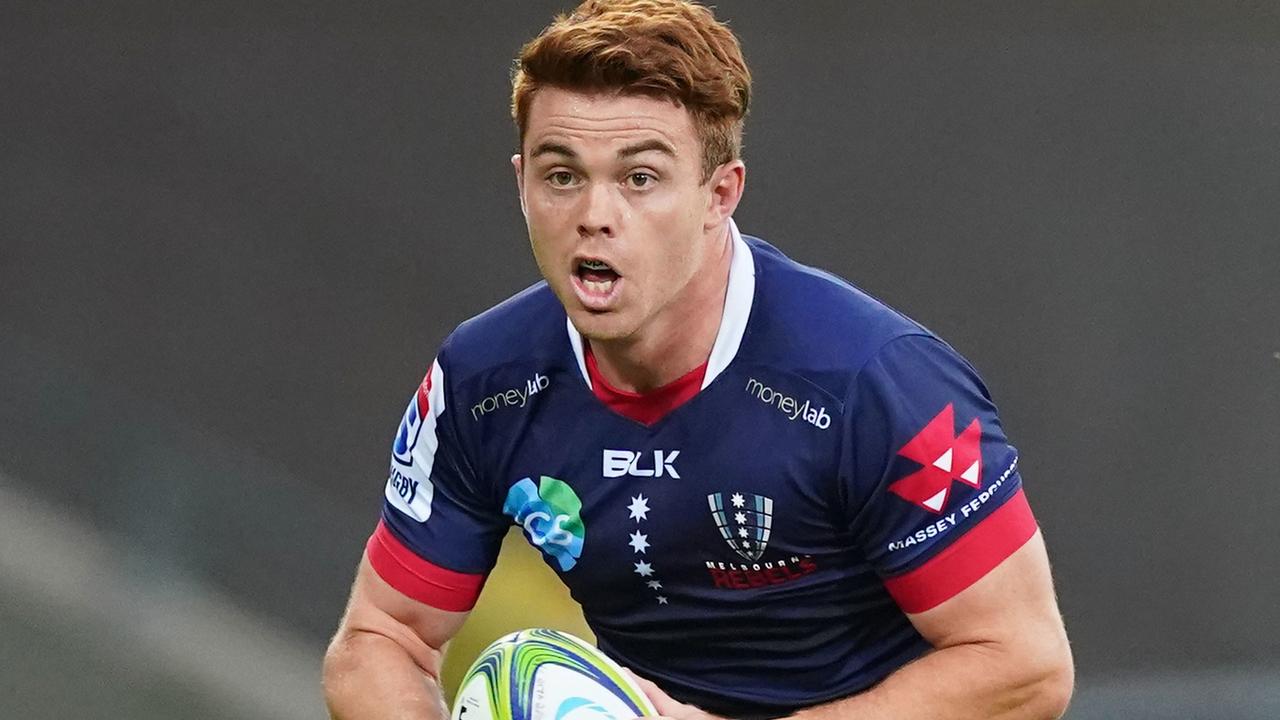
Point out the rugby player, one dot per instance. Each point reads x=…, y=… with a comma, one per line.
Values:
x=771, y=494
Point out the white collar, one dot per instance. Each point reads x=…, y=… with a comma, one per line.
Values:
x=733, y=322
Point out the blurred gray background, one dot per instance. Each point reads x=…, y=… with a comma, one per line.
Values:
x=232, y=234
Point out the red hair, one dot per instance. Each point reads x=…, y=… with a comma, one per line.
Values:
x=670, y=49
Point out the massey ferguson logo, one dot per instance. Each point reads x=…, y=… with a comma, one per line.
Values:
x=619, y=463
x=946, y=458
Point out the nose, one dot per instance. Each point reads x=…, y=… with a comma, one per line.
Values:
x=599, y=215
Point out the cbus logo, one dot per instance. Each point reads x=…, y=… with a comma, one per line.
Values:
x=619, y=463
x=551, y=515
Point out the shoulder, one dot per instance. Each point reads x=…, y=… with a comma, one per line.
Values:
x=818, y=324
x=528, y=327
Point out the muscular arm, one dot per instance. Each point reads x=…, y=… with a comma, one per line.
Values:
x=1000, y=653
x=384, y=662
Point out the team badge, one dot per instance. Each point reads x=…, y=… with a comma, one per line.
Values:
x=745, y=522
x=945, y=457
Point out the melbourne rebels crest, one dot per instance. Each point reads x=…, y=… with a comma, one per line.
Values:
x=745, y=525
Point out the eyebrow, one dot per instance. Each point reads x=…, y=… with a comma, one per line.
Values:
x=546, y=148
x=653, y=145
x=646, y=146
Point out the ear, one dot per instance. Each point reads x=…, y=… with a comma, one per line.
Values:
x=517, y=162
x=727, y=184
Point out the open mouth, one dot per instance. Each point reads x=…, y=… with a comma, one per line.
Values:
x=596, y=282
x=597, y=275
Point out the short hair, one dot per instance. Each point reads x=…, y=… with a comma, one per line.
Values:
x=669, y=49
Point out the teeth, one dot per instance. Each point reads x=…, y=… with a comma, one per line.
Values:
x=598, y=286
x=595, y=265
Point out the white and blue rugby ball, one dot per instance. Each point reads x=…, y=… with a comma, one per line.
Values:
x=542, y=674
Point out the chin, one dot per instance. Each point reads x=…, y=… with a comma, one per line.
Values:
x=602, y=327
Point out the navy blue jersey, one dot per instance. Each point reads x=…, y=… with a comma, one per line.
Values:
x=757, y=548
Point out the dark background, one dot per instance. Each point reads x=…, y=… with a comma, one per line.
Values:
x=232, y=235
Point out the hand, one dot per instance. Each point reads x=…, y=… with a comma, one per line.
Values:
x=669, y=708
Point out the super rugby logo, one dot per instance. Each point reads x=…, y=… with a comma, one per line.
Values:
x=551, y=515
x=413, y=453
x=411, y=425
x=945, y=458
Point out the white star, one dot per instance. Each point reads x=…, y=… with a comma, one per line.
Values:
x=662, y=600
x=742, y=532
x=644, y=569
x=746, y=543
x=740, y=518
x=737, y=500
x=639, y=542
x=639, y=508
x=654, y=585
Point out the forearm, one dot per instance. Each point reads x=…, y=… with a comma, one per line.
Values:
x=368, y=676
x=976, y=681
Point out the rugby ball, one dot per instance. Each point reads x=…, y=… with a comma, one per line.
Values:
x=541, y=674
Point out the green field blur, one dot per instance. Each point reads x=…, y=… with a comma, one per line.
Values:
x=522, y=592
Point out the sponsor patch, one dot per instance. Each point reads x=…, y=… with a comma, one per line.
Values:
x=551, y=515
x=945, y=458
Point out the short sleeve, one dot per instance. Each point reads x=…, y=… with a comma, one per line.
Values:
x=931, y=481
x=441, y=529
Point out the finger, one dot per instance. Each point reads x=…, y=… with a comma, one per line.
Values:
x=662, y=702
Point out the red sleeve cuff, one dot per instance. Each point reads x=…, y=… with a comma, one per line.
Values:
x=421, y=580
x=966, y=560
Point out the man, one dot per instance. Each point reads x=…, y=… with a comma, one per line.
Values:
x=770, y=493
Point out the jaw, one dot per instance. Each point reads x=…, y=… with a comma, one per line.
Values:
x=606, y=326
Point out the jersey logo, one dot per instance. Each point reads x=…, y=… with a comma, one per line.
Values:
x=617, y=463
x=745, y=524
x=551, y=515
x=945, y=457
x=411, y=424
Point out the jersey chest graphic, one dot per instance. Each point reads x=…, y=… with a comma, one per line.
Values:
x=726, y=495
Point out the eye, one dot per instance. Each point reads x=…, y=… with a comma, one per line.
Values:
x=640, y=179
x=560, y=178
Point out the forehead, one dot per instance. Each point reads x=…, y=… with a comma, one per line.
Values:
x=606, y=119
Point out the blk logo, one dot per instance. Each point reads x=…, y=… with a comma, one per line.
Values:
x=946, y=458
x=618, y=463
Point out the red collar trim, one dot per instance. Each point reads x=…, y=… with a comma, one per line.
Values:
x=645, y=408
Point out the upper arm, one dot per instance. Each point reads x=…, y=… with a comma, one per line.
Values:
x=1013, y=605
x=378, y=609
x=438, y=536
x=932, y=482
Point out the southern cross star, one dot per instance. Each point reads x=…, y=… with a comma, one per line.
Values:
x=639, y=508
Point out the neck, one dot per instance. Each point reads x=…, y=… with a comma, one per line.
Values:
x=679, y=338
